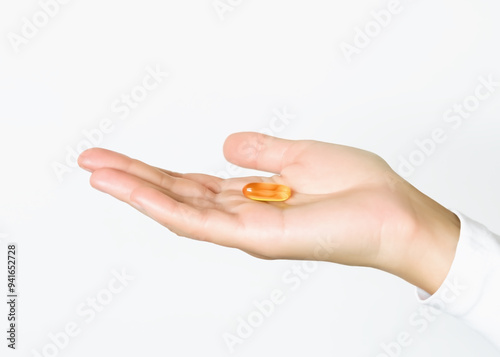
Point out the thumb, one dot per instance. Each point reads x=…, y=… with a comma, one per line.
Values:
x=257, y=151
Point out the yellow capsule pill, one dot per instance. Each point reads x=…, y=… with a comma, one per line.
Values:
x=260, y=191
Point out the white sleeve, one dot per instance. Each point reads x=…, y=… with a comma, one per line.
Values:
x=471, y=290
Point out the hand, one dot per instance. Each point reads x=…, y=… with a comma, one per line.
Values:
x=347, y=206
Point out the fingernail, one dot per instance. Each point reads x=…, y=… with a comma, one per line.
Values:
x=83, y=160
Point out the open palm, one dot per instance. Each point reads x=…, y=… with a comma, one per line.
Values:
x=344, y=206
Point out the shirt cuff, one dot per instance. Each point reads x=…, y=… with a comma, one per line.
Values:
x=471, y=290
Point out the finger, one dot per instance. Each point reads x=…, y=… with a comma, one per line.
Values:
x=98, y=158
x=95, y=158
x=202, y=224
x=211, y=182
x=120, y=185
x=259, y=151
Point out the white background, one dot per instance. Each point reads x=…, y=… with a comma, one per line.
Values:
x=230, y=74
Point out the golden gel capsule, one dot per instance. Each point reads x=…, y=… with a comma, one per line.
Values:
x=261, y=191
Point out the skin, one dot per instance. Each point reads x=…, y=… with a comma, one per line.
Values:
x=348, y=206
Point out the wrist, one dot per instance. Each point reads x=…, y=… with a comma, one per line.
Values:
x=424, y=255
